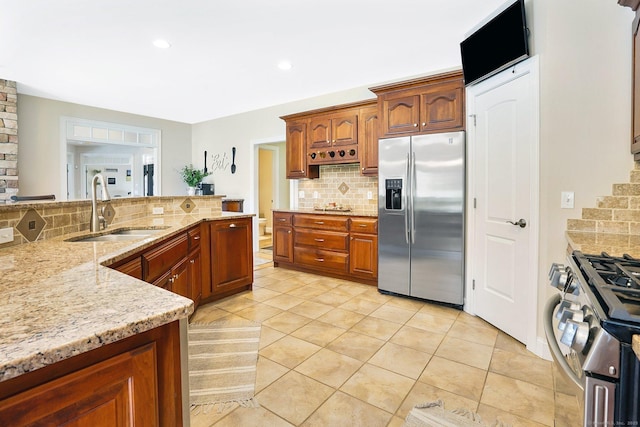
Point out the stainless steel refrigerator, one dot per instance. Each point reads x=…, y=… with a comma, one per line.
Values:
x=421, y=182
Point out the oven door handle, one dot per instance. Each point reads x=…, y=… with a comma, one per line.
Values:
x=547, y=315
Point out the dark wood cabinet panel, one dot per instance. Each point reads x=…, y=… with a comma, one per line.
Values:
x=158, y=261
x=180, y=278
x=231, y=255
x=319, y=133
x=441, y=108
x=132, y=267
x=321, y=222
x=321, y=239
x=195, y=277
x=296, y=152
x=400, y=114
x=324, y=260
x=344, y=129
x=282, y=237
x=363, y=255
x=368, y=140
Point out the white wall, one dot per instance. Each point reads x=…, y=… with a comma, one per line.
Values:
x=39, y=143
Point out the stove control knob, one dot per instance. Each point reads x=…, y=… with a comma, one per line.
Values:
x=567, y=314
x=575, y=335
x=564, y=305
x=559, y=275
x=555, y=267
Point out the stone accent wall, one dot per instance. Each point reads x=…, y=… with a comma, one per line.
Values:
x=615, y=214
x=329, y=184
x=8, y=139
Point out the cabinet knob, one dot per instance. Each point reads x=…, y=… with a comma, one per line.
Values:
x=289, y=231
x=196, y=238
x=319, y=222
x=193, y=261
x=319, y=240
x=232, y=226
x=171, y=280
x=320, y=259
x=415, y=125
x=424, y=124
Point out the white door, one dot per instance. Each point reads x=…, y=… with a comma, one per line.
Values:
x=503, y=183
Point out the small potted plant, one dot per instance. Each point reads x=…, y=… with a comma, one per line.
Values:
x=192, y=177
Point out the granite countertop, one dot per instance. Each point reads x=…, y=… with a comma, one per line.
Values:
x=330, y=212
x=614, y=245
x=58, y=300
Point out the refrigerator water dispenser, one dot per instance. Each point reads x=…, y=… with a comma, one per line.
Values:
x=394, y=194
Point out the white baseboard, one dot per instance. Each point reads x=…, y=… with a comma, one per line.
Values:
x=541, y=349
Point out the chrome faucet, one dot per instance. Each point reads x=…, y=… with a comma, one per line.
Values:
x=98, y=218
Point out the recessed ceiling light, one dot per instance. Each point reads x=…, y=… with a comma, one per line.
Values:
x=284, y=65
x=162, y=44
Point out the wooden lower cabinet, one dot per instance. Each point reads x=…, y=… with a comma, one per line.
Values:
x=331, y=245
x=135, y=381
x=231, y=256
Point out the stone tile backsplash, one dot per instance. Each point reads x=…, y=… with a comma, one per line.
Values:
x=8, y=139
x=616, y=214
x=343, y=185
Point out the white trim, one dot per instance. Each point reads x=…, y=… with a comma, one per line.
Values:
x=531, y=312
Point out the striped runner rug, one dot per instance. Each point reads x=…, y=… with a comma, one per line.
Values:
x=222, y=364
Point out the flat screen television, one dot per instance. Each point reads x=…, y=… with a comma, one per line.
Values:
x=499, y=42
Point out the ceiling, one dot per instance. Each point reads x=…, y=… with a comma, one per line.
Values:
x=224, y=54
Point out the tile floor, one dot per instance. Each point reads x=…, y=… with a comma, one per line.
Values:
x=338, y=353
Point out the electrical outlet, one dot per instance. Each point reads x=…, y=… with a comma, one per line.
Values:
x=370, y=195
x=315, y=194
x=301, y=194
x=568, y=200
x=158, y=211
x=6, y=235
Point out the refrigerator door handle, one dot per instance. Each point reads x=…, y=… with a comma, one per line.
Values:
x=407, y=199
x=412, y=179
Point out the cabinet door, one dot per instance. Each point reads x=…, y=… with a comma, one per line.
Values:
x=344, y=129
x=282, y=244
x=158, y=261
x=231, y=254
x=131, y=268
x=195, y=277
x=363, y=255
x=116, y=392
x=368, y=140
x=442, y=108
x=400, y=114
x=180, y=278
x=296, y=150
x=319, y=133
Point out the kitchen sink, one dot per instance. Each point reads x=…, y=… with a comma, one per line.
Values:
x=119, y=235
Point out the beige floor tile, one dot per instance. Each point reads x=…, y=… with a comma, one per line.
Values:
x=332, y=299
x=234, y=303
x=341, y=318
x=200, y=418
x=311, y=309
x=261, y=294
x=355, y=345
x=472, y=320
x=284, y=301
x=396, y=422
x=324, y=284
x=343, y=410
x=379, y=387
x=306, y=292
x=294, y=397
x=425, y=393
x=393, y=314
x=252, y=417
x=519, y=398
x=269, y=336
x=486, y=335
x=401, y=360
x=376, y=296
x=430, y=322
x=351, y=289
x=258, y=312
x=231, y=317
x=286, y=322
x=360, y=305
x=455, y=377
x=490, y=414
x=508, y=343
x=561, y=383
x=207, y=314
x=440, y=310
x=318, y=333
x=526, y=368
x=289, y=351
x=406, y=303
x=418, y=339
x=329, y=367
x=268, y=371
x=377, y=328
x=283, y=286
x=567, y=410
x=469, y=353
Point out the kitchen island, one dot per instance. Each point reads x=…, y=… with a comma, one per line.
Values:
x=67, y=321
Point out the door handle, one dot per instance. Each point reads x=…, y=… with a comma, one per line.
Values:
x=521, y=223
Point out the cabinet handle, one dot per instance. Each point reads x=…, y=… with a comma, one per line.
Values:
x=363, y=225
x=319, y=240
x=193, y=261
x=196, y=238
x=415, y=125
x=320, y=222
x=171, y=280
x=320, y=259
x=232, y=226
x=281, y=219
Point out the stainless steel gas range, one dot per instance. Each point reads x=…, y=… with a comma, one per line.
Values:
x=589, y=328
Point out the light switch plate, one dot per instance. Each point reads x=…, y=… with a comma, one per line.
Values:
x=568, y=200
x=158, y=211
x=301, y=194
x=370, y=195
x=315, y=194
x=6, y=235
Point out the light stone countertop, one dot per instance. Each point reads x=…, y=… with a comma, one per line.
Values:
x=329, y=212
x=57, y=299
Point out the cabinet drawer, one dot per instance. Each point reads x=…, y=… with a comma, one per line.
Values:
x=194, y=238
x=159, y=260
x=321, y=222
x=321, y=239
x=280, y=218
x=364, y=225
x=320, y=259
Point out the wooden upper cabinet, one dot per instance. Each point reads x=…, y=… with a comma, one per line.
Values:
x=344, y=129
x=425, y=105
x=368, y=140
x=296, y=151
x=319, y=132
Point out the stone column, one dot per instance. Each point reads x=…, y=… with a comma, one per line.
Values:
x=8, y=139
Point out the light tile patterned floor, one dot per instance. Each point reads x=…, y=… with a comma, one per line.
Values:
x=338, y=353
